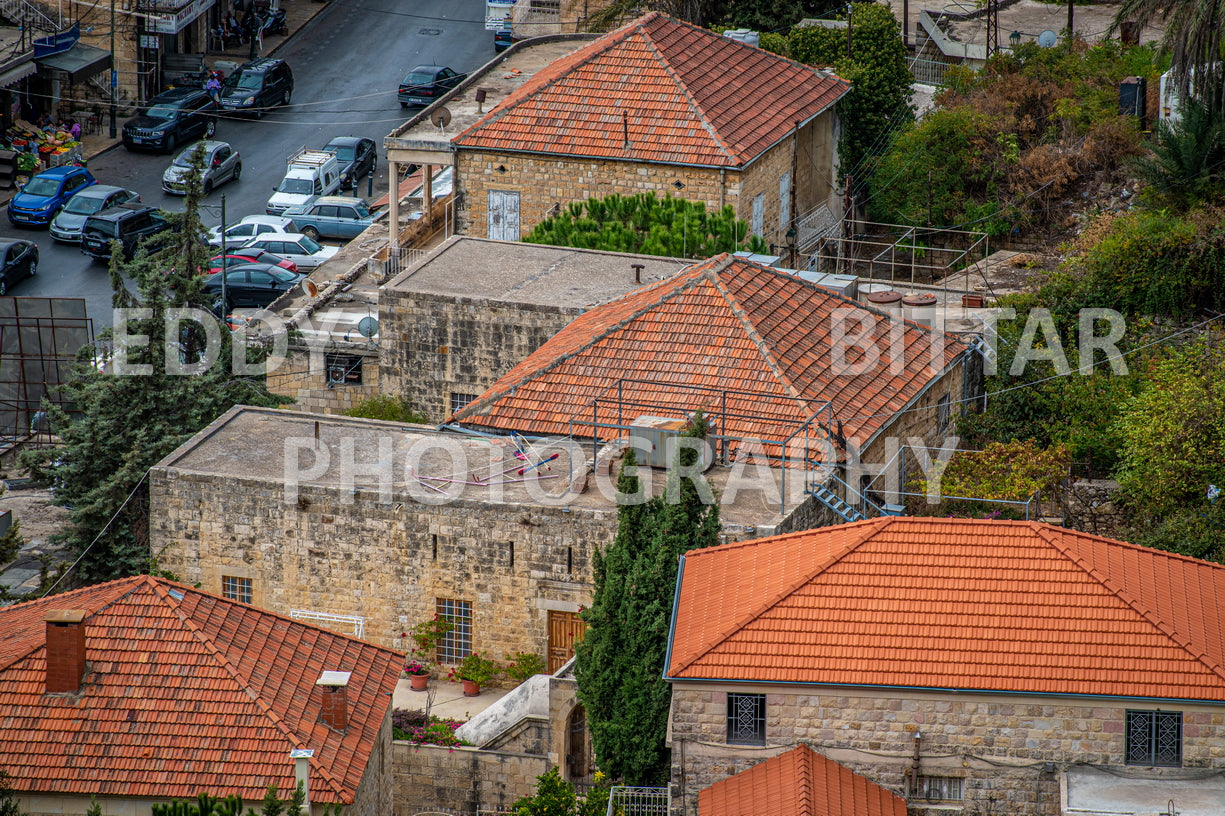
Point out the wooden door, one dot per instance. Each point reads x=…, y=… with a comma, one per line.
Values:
x=565, y=629
x=503, y=215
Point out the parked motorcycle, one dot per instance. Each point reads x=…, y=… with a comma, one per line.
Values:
x=274, y=22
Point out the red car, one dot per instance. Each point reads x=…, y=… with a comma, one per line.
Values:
x=245, y=256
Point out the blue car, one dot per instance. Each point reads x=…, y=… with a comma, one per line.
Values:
x=46, y=193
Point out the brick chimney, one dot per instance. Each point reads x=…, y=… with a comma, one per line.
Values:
x=65, y=650
x=335, y=688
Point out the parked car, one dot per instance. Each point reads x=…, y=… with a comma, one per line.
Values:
x=257, y=87
x=331, y=217
x=43, y=196
x=502, y=38
x=67, y=225
x=127, y=223
x=425, y=83
x=252, y=284
x=357, y=158
x=18, y=260
x=307, y=173
x=238, y=257
x=221, y=164
x=172, y=118
x=239, y=233
x=306, y=252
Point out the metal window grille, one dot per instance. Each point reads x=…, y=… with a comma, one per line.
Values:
x=458, y=400
x=236, y=589
x=939, y=788
x=942, y=414
x=457, y=643
x=746, y=719
x=1154, y=738
x=627, y=801
x=344, y=369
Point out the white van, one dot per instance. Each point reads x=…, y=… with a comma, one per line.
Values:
x=309, y=173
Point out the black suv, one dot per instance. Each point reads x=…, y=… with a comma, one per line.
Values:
x=258, y=86
x=172, y=118
x=127, y=223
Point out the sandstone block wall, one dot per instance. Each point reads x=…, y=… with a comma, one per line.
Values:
x=311, y=390
x=461, y=780
x=434, y=345
x=999, y=746
x=373, y=797
x=388, y=563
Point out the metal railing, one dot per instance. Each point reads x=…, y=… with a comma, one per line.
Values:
x=627, y=801
x=357, y=622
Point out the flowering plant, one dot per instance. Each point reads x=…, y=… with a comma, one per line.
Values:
x=422, y=729
x=416, y=667
x=475, y=668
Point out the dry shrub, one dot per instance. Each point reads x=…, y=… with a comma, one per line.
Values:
x=1048, y=168
x=1109, y=143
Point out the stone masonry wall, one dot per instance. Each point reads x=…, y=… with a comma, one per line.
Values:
x=1089, y=506
x=386, y=562
x=434, y=345
x=373, y=797
x=311, y=390
x=461, y=780
x=1000, y=746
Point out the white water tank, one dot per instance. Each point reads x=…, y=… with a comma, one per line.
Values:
x=887, y=301
x=745, y=35
x=920, y=308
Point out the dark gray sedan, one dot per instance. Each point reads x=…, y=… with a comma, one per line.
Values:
x=221, y=164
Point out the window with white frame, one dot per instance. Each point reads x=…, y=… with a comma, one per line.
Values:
x=746, y=719
x=457, y=643
x=236, y=589
x=458, y=400
x=938, y=788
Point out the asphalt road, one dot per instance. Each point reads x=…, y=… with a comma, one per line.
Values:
x=347, y=63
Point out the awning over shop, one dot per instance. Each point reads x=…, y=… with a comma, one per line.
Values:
x=16, y=70
x=80, y=62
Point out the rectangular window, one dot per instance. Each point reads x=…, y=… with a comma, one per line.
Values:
x=236, y=589
x=784, y=202
x=456, y=644
x=1154, y=738
x=746, y=719
x=458, y=401
x=942, y=414
x=344, y=369
x=758, y=218
x=938, y=788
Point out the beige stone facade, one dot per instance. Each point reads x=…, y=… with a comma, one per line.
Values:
x=336, y=383
x=461, y=780
x=546, y=183
x=1010, y=752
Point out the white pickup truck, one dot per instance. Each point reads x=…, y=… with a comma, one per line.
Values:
x=309, y=173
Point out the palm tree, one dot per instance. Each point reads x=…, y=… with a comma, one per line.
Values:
x=1188, y=160
x=1192, y=38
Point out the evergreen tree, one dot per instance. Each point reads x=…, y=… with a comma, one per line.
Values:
x=620, y=662
x=121, y=423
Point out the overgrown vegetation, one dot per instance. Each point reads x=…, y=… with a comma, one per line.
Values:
x=205, y=804
x=388, y=407
x=556, y=797
x=995, y=482
x=124, y=421
x=620, y=661
x=418, y=727
x=647, y=225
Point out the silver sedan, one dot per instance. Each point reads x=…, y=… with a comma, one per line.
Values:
x=67, y=225
x=221, y=164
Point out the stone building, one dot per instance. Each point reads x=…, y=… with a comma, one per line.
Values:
x=474, y=309
x=143, y=690
x=771, y=358
x=381, y=525
x=970, y=666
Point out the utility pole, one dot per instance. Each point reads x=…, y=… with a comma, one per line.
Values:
x=224, y=266
x=1070, y=4
x=114, y=73
x=850, y=11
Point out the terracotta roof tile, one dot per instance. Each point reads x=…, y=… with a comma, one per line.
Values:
x=726, y=325
x=185, y=692
x=954, y=603
x=800, y=782
x=681, y=94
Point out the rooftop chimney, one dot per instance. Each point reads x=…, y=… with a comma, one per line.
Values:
x=335, y=687
x=302, y=773
x=637, y=272
x=65, y=650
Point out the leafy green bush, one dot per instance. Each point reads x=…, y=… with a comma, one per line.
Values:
x=387, y=407
x=522, y=665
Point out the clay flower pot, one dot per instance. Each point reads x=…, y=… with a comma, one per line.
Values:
x=419, y=681
x=471, y=689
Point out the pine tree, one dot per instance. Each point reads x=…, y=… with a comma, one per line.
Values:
x=621, y=658
x=122, y=423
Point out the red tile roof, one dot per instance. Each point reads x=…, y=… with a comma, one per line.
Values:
x=726, y=325
x=954, y=604
x=800, y=782
x=676, y=93
x=184, y=692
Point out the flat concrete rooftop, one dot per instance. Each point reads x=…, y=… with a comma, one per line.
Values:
x=531, y=273
x=416, y=463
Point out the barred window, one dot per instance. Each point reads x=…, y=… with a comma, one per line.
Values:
x=942, y=414
x=458, y=400
x=236, y=589
x=938, y=788
x=456, y=644
x=746, y=719
x=1154, y=738
x=343, y=369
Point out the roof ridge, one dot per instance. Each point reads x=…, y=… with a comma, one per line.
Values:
x=807, y=787
x=1048, y=535
x=674, y=285
x=870, y=528
x=295, y=740
x=689, y=97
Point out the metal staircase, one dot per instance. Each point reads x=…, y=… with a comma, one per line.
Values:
x=22, y=12
x=830, y=499
x=820, y=490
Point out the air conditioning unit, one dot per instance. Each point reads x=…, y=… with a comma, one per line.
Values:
x=659, y=435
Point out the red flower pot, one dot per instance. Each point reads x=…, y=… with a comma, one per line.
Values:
x=471, y=689
x=419, y=681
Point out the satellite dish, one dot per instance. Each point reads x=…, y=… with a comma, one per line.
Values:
x=441, y=118
x=1047, y=39
x=310, y=288
x=368, y=327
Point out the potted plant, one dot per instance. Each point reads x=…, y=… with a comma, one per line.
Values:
x=429, y=633
x=418, y=672
x=474, y=670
